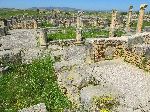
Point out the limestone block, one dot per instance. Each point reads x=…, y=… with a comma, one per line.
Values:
x=41, y=38
x=11, y=56
x=36, y=108
x=109, y=52
x=89, y=93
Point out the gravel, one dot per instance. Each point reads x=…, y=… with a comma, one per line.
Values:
x=24, y=40
x=129, y=81
x=21, y=38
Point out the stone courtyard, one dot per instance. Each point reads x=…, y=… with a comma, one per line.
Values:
x=81, y=80
x=94, y=73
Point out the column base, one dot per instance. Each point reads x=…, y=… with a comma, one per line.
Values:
x=79, y=42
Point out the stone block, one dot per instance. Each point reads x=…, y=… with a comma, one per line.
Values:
x=36, y=108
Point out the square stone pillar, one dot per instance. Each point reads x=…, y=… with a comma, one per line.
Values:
x=42, y=38
x=95, y=22
x=2, y=24
x=78, y=35
x=141, y=16
x=128, y=23
x=78, y=21
x=79, y=29
x=35, y=26
x=113, y=23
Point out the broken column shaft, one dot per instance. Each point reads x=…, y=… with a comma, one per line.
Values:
x=128, y=23
x=141, y=16
x=113, y=23
x=79, y=29
x=41, y=35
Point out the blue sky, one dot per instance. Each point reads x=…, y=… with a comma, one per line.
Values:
x=82, y=4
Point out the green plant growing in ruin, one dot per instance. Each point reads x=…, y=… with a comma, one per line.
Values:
x=46, y=24
x=105, y=103
x=69, y=34
x=118, y=33
x=29, y=84
x=95, y=33
x=57, y=58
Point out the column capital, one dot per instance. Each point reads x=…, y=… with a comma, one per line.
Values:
x=143, y=6
x=114, y=11
x=130, y=8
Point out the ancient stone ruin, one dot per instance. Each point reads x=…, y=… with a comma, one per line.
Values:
x=113, y=23
x=100, y=73
x=128, y=23
x=140, y=20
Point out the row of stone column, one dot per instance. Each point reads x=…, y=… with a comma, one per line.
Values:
x=79, y=28
x=112, y=26
x=128, y=23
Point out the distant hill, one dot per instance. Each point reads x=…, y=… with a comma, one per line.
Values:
x=60, y=8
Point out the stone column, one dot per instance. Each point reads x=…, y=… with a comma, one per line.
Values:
x=113, y=23
x=9, y=24
x=2, y=24
x=35, y=26
x=78, y=35
x=128, y=23
x=42, y=35
x=95, y=22
x=141, y=16
x=79, y=29
x=78, y=21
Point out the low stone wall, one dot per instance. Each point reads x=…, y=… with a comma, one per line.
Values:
x=139, y=39
x=106, y=49
x=10, y=56
x=138, y=55
x=134, y=49
x=3, y=31
x=66, y=42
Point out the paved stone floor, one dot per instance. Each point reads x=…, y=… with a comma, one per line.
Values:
x=128, y=81
x=21, y=39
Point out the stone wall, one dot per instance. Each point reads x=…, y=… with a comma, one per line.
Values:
x=107, y=49
x=3, y=31
x=29, y=24
x=138, y=55
x=66, y=42
x=139, y=39
x=10, y=57
x=134, y=49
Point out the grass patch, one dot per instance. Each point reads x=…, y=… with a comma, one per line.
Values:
x=28, y=85
x=69, y=34
x=95, y=33
x=145, y=23
x=46, y=24
x=118, y=33
x=7, y=13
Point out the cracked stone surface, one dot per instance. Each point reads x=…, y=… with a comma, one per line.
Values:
x=130, y=82
x=22, y=40
x=36, y=108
